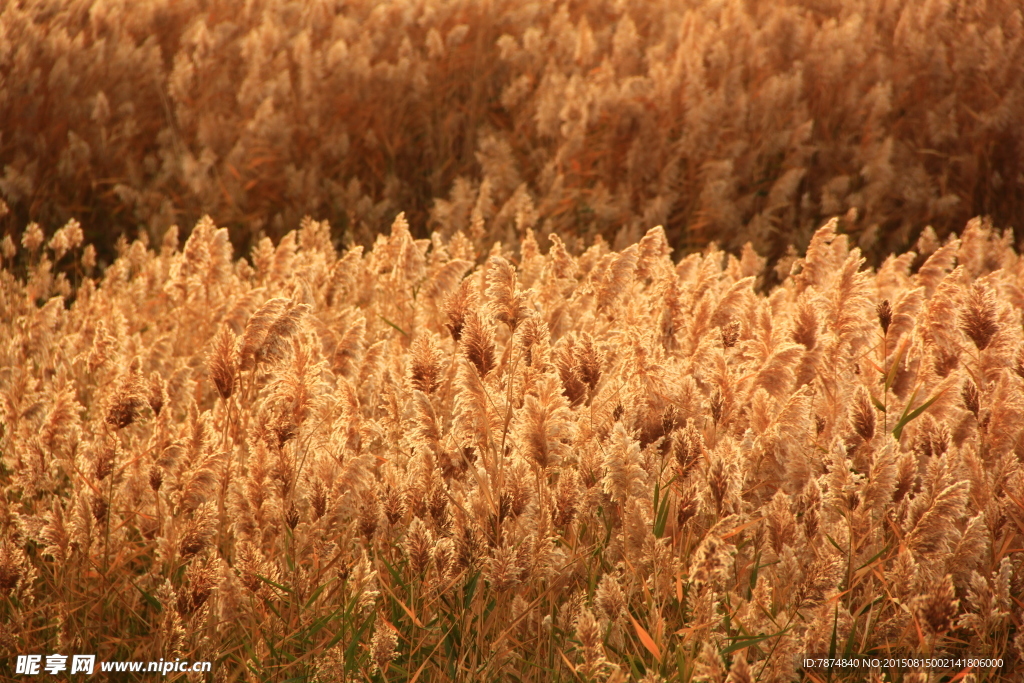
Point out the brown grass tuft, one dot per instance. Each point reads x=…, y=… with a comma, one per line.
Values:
x=128, y=399
x=222, y=362
x=426, y=364
x=456, y=308
x=506, y=302
x=979, y=319
x=478, y=344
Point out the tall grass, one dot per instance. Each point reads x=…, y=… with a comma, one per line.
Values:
x=423, y=462
x=737, y=121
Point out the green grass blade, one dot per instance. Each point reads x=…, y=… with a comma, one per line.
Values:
x=890, y=376
x=404, y=333
x=907, y=417
x=749, y=642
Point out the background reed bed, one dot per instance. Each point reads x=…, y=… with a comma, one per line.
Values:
x=423, y=462
x=736, y=120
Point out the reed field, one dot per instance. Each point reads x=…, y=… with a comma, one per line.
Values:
x=727, y=120
x=651, y=342
x=404, y=463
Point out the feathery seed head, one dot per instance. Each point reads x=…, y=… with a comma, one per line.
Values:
x=936, y=608
x=969, y=394
x=445, y=558
x=99, y=508
x=805, y=331
x=573, y=387
x=7, y=247
x=588, y=629
x=157, y=394
x=503, y=569
x=717, y=406
x=506, y=302
x=201, y=579
x=863, y=417
x=456, y=306
x=222, y=362
x=394, y=503
x=418, y=545
x=588, y=361
x=33, y=237
x=478, y=344
x=687, y=449
x=198, y=533
x=609, y=597
x=730, y=334
x=268, y=330
x=934, y=437
x=709, y=566
x=532, y=333
x=383, y=644
x=567, y=496
x=256, y=331
x=318, y=498
x=156, y=477
x=13, y=567
x=426, y=364
x=276, y=341
x=687, y=504
x=884, y=311
x=624, y=476
x=105, y=460
x=979, y=320
x=291, y=516
x=543, y=425
x=740, y=671
x=781, y=522
x=369, y=514
x=809, y=508
x=128, y=399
